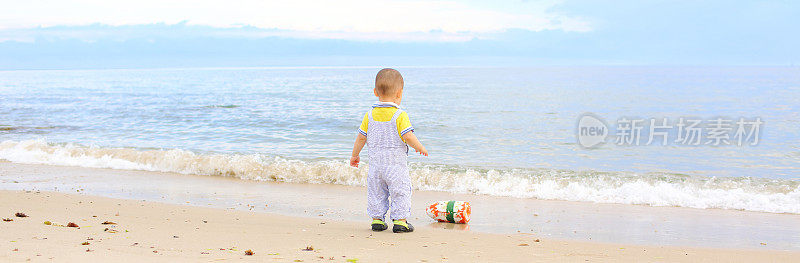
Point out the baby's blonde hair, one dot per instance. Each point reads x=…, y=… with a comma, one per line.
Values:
x=388, y=82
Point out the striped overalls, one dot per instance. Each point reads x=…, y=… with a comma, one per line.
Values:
x=388, y=170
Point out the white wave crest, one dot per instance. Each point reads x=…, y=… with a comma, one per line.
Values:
x=741, y=193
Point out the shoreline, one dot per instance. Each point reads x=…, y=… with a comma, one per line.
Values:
x=655, y=188
x=551, y=219
x=151, y=231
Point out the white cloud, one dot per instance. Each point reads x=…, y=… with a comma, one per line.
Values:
x=376, y=19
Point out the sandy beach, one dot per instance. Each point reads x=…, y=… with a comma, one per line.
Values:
x=148, y=231
x=173, y=217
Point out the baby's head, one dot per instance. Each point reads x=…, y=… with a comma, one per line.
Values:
x=389, y=85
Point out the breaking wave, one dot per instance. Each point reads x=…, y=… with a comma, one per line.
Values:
x=656, y=189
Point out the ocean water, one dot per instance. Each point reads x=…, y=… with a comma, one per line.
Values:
x=492, y=131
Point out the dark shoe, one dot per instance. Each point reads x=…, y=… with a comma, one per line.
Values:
x=402, y=227
x=378, y=225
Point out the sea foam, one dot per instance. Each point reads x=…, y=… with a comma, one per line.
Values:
x=655, y=189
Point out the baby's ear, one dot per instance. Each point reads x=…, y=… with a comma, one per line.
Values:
x=375, y=91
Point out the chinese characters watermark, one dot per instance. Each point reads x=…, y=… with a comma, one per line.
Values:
x=593, y=131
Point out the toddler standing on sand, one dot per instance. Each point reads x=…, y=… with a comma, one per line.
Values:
x=387, y=132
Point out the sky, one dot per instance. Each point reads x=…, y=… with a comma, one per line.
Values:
x=176, y=33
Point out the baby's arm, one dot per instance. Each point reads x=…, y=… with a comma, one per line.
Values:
x=412, y=141
x=359, y=144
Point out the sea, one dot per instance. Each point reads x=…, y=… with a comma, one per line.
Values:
x=498, y=131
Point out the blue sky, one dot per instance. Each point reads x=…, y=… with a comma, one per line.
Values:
x=149, y=33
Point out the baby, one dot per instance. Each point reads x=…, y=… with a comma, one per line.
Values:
x=387, y=132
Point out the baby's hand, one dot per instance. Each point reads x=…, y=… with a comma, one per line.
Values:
x=423, y=151
x=355, y=160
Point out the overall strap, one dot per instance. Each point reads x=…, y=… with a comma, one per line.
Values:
x=396, y=115
x=370, y=116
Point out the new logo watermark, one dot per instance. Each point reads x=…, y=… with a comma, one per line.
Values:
x=593, y=131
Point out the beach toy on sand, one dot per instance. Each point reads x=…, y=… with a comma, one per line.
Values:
x=450, y=211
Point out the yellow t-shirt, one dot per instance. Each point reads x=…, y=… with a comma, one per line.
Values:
x=385, y=114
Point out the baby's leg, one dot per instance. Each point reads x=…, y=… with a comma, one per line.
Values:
x=400, y=190
x=377, y=193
